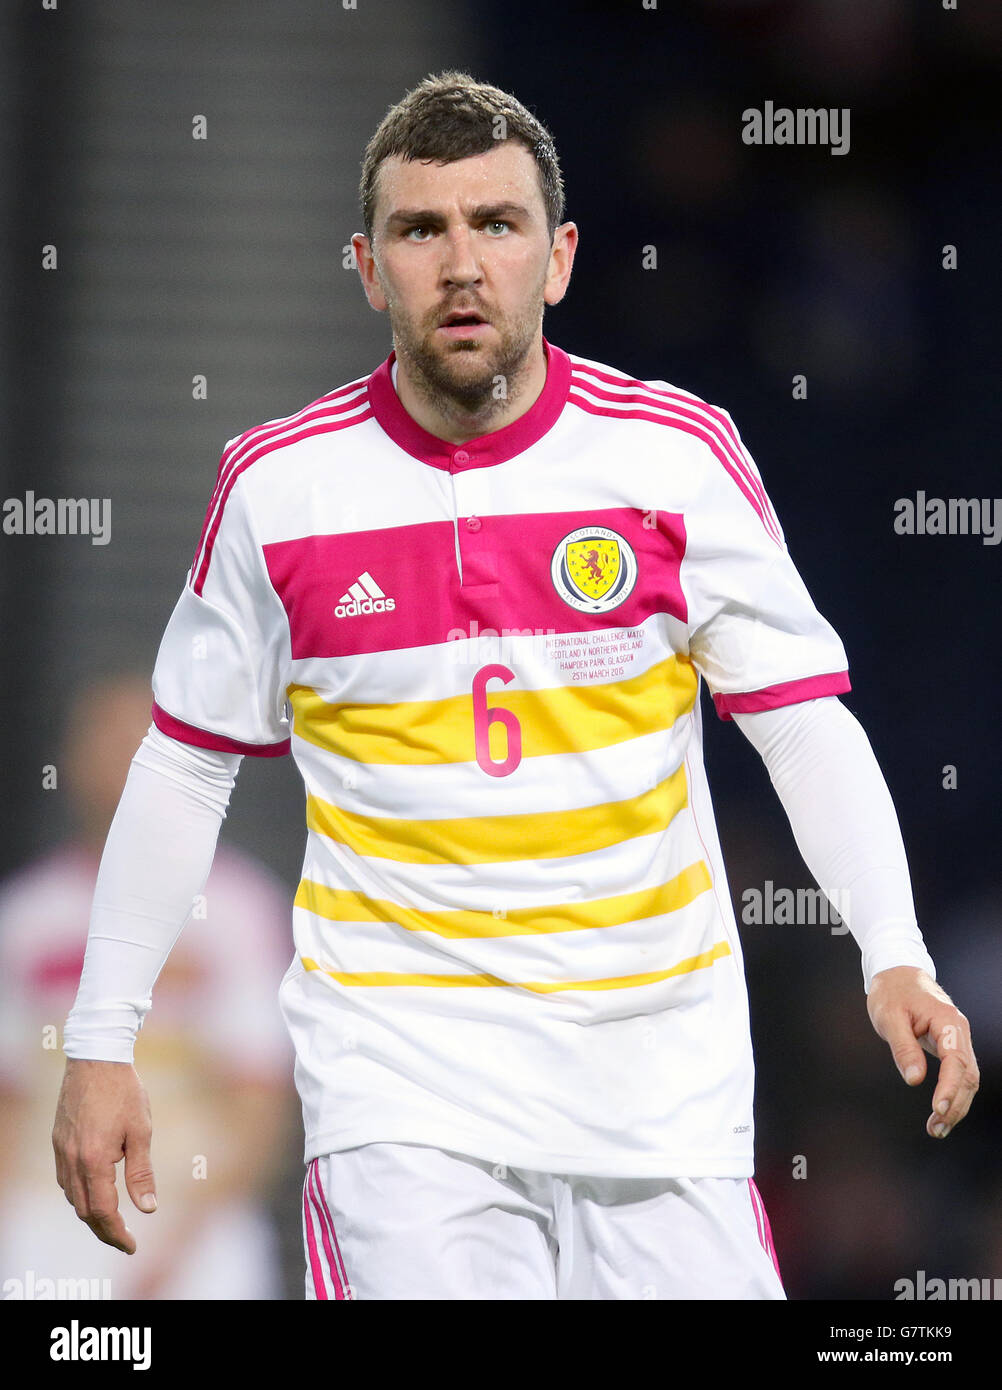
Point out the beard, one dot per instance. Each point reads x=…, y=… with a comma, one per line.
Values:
x=463, y=374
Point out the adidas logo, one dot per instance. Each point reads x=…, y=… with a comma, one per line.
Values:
x=364, y=596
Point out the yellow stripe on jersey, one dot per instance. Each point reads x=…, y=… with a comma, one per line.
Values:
x=495, y=839
x=565, y=719
x=368, y=978
x=342, y=905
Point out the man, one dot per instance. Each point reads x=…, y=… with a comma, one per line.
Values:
x=475, y=591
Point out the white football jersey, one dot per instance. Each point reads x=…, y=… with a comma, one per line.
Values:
x=513, y=933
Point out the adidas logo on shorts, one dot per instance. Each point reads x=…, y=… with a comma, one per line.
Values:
x=364, y=596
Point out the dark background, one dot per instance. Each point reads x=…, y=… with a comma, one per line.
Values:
x=224, y=257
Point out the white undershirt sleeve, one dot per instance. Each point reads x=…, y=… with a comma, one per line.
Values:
x=840, y=810
x=156, y=861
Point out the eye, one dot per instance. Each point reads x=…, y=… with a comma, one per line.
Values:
x=497, y=222
x=409, y=234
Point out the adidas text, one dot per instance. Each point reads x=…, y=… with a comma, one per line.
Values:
x=365, y=605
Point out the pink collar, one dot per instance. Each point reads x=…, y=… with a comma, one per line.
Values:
x=488, y=449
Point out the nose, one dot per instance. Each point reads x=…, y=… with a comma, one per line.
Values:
x=460, y=263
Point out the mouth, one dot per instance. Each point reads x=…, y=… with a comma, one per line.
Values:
x=460, y=324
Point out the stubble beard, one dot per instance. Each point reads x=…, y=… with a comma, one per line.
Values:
x=470, y=388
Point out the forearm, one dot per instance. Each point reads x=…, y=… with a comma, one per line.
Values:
x=156, y=860
x=840, y=810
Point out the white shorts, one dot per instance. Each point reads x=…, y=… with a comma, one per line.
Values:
x=404, y=1221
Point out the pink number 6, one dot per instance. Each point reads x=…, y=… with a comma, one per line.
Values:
x=485, y=715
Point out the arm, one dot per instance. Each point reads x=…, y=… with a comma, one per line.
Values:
x=834, y=794
x=156, y=860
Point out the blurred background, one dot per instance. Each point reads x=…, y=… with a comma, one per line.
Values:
x=223, y=258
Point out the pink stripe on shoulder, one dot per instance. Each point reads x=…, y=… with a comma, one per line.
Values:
x=786, y=693
x=325, y=416
x=202, y=738
x=269, y=428
x=721, y=419
x=701, y=419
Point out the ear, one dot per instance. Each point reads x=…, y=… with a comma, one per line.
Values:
x=368, y=273
x=565, y=242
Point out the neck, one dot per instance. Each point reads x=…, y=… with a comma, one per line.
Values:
x=451, y=420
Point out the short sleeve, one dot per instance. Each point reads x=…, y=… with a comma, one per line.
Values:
x=754, y=632
x=223, y=665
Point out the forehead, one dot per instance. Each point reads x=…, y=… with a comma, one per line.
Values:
x=507, y=173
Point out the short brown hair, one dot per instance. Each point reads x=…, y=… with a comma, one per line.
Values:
x=451, y=116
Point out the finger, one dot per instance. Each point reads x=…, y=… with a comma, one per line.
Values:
x=896, y=1030
x=112, y=1230
x=99, y=1207
x=957, y=1085
x=139, y=1180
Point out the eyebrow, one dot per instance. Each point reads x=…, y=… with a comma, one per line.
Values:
x=483, y=212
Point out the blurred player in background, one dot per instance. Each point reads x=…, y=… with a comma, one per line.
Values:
x=217, y=1054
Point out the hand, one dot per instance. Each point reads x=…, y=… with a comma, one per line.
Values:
x=103, y=1113
x=910, y=1012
